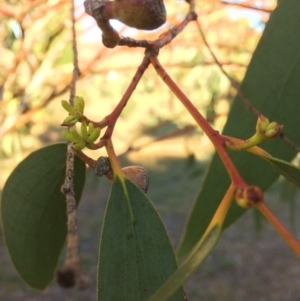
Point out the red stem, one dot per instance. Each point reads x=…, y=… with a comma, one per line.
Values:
x=112, y=118
x=283, y=232
x=114, y=162
x=217, y=140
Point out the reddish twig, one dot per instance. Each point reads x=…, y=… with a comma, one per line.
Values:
x=284, y=233
x=111, y=119
x=213, y=135
x=163, y=39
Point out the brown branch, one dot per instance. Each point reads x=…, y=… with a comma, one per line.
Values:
x=71, y=273
x=112, y=118
x=163, y=39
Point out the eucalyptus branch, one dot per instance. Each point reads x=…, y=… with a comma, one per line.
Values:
x=112, y=118
x=217, y=140
x=71, y=273
x=284, y=233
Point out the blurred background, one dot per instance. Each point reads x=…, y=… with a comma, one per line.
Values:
x=154, y=130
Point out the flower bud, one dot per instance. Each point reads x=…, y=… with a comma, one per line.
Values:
x=266, y=129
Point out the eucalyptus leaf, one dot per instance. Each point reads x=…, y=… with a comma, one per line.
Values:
x=290, y=171
x=34, y=212
x=271, y=84
x=188, y=267
x=136, y=255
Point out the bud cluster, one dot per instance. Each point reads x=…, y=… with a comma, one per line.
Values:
x=88, y=132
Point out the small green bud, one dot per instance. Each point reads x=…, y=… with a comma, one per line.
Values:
x=273, y=130
x=91, y=128
x=68, y=136
x=83, y=129
x=93, y=136
x=78, y=115
x=266, y=129
x=75, y=134
x=79, y=104
x=68, y=107
x=70, y=120
x=262, y=123
x=79, y=146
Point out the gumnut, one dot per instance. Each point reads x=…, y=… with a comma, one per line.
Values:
x=138, y=175
x=140, y=14
x=249, y=197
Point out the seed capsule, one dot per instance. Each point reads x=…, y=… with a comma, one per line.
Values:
x=249, y=197
x=138, y=175
x=140, y=14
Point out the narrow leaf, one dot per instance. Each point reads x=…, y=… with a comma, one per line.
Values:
x=271, y=84
x=290, y=171
x=34, y=212
x=193, y=261
x=136, y=256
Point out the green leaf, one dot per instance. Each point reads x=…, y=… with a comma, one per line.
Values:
x=271, y=84
x=34, y=212
x=197, y=256
x=288, y=170
x=136, y=256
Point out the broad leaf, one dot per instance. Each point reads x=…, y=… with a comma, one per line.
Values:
x=271, y=84
x=34, y=212
x=193, y=261
x=136, y=256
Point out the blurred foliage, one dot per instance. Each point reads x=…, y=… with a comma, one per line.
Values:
x=37, y=63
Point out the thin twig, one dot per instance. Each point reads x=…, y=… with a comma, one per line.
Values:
x=283, y=232
x=290, y=142
x=111, y=119
x=241, y=94
x=246, y=101
x=261, y=9
x=71, y=273
x=163, y=39
x=214, y=136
